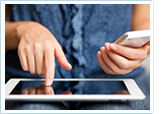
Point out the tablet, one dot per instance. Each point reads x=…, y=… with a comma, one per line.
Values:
x=134, y=39
x=73, y=90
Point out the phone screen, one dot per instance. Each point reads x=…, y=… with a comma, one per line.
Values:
x=70, y=87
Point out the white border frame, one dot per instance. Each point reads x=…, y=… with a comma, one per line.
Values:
x=73, y=2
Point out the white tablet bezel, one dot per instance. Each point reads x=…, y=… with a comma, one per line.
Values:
x=134, y=90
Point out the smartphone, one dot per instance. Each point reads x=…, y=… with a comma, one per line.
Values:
x=134, y=39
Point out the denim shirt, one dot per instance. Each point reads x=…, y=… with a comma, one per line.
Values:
x=81, y=29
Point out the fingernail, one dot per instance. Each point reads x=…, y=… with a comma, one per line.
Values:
x=70, y=66
x=47, y=82
x=102, y=49
x=99, y=52
x=113, y=47
x=107, y=46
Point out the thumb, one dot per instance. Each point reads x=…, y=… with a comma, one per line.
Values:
x=61, y=58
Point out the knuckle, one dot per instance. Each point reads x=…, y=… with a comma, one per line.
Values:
x=47, y=44
x=37, y=45
x=27, y=49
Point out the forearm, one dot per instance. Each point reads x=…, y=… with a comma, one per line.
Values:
x=11, y=38
x=141, y=17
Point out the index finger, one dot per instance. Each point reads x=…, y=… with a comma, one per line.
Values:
x=49, y=66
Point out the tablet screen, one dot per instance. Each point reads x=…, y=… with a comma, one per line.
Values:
x=70, y=87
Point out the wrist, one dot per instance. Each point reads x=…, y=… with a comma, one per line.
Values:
x=24, y=26
x=21, y=28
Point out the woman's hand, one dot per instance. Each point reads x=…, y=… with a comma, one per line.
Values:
x=117, y=59
x=36, y=50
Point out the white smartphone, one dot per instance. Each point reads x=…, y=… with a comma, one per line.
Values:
x=15, y=91
x=134, y=39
